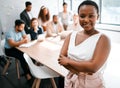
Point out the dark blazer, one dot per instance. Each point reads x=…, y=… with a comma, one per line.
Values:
x=25, y=17
x=34, y=34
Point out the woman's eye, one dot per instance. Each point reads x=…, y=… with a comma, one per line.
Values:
x=82, y=16
x=91, y=16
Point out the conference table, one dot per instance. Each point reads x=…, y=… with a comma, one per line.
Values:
x=46, y=52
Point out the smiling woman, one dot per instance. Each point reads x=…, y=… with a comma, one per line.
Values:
x=88, y=20
x=83, y=53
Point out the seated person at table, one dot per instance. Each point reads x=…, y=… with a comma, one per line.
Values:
x=75, y=26
x=54, y=27
x=35, y=29
x=15, y=38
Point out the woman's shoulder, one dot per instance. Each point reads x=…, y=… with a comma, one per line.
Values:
x=104, y=39
x=104, y=36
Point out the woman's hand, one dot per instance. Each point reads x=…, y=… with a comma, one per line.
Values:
x=63, y=60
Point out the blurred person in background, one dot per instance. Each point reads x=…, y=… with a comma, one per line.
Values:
x=14, y=38
x=26, y=16
x=75, y=26
x=54, y=27
x=43, y=17
x=35, y=30
x=65, y=16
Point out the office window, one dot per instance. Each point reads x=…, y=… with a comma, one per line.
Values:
x=60, y=5
x=109, y=10
x=75, y=4
x=110, y=13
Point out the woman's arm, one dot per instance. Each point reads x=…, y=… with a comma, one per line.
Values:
x=100, y=56
x=63, y=55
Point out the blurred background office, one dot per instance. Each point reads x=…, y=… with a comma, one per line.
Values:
x=108, y=23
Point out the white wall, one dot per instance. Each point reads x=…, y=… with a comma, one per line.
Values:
x=10, y=10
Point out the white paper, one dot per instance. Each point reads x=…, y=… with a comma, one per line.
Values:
x=28, y=44
x=51, y=46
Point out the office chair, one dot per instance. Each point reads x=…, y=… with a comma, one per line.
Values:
x=40, y=72
x=9, y=61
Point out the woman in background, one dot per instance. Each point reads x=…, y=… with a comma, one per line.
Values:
x=65, y=16
x=43, y=17
x=35, y=29
x=75, y=26
x=84, y=53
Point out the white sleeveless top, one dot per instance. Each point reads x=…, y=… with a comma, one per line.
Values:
x=85, y=50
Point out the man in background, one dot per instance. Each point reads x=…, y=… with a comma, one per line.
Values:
x=54, y=27
x=13, y=39
x=26, y=16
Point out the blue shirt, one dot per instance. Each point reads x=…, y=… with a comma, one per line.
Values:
x=12, y=34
